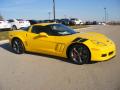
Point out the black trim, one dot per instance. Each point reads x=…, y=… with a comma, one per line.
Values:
x=79, y=40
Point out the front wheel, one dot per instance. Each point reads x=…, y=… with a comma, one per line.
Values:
x=79, y=54
x=18, y=46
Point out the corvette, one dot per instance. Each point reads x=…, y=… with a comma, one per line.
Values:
x=60, y=40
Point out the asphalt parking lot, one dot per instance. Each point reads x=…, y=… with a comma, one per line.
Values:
x=40, y=72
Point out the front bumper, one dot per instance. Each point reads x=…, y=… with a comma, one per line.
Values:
x=103, y=53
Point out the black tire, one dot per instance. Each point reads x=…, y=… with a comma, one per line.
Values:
x=79, y=54
x=14, y=27
x=18, y=46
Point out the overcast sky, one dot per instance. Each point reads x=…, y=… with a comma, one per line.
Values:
x=83, y=9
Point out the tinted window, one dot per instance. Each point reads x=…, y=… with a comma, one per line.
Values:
x=59, y=29
x=11, y=20
x=39, y=29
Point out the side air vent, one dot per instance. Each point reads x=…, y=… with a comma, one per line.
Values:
x=59, y=47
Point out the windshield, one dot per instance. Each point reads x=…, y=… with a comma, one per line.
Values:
x=59, y=29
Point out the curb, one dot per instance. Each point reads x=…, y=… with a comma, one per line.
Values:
x=4, y=41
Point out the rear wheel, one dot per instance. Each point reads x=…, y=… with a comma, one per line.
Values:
x=18, y=46
x=14, y=27
x=79, y=54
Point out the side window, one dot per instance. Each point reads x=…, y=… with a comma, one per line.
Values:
x=39, y=29
x=55, y=29
x=35, y=29
x=10, y=21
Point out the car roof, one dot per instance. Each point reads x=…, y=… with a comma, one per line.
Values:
x=43, y=24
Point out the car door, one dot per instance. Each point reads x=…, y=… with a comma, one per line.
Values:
x=41, y=44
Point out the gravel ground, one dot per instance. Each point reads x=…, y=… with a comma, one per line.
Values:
x=41, y=72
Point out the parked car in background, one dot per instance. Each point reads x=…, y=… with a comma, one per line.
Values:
x=33, y=21
x=76, y=21
x=95, y=23
x=4, y=24
x=102, y=23
x=40, y=21
x=88, y=23
x=57, y=20
x=91, y=23
x=65, y=21
x=47, y=21
x=18, y=23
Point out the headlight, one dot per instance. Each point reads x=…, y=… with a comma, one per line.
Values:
x=97, y=42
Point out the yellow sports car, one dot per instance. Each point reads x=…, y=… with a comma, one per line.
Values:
x=62, y=41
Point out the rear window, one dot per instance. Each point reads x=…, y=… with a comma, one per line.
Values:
x=21, y=20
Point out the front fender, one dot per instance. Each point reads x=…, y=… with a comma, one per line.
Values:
x=76, y=41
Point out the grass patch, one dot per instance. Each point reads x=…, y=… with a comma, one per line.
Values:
x=79, y=26
x=4, y=35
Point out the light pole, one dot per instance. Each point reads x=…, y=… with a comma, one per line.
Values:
x=49, y=13
x=105, y=14
x=54, y=14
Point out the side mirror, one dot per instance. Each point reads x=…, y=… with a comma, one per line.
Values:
x=43, y=34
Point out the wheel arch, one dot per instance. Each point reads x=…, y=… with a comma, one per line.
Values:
x=18, y=39
x=15, y=26
x=72, y=44
x=20, y=47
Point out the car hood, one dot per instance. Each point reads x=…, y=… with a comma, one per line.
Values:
x=93, y=36
x=88, y=35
